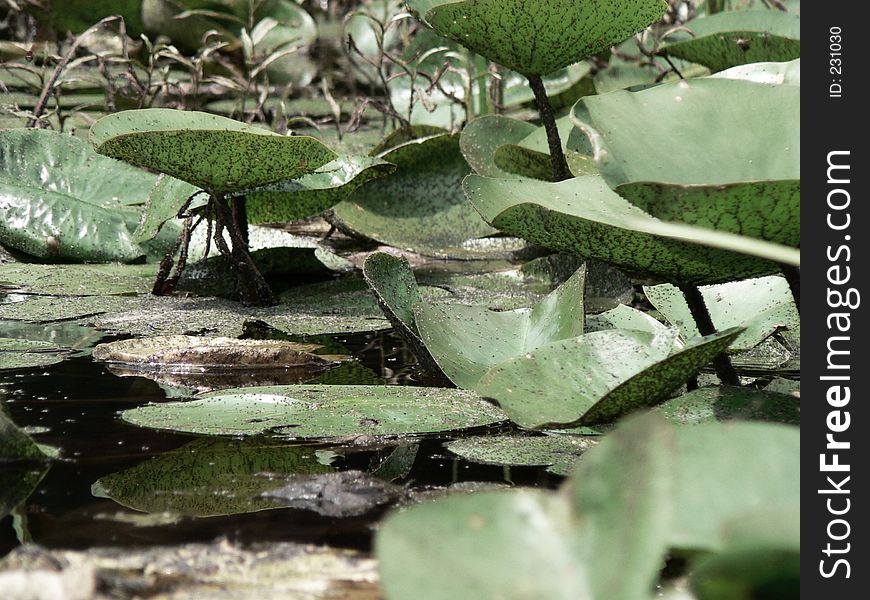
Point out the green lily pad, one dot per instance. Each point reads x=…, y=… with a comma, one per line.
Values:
x=421, y=207
x=211, y=152
x=624, y=317
x=584, y=216
x=60, y=200
x=69, y=336
x=15, y=445
x=598, y=377
x=746, y=182
x=727, y=471
x=465, y=341
x=318, y=411
x=25, y=354
x=78, y=280
x=726, y=403
x=208, y=477
x=770, y=73
x=559, y=452
x=761, y=306
x=556, y=34
x=738, y=37
x=483, y=136
x=313, y=193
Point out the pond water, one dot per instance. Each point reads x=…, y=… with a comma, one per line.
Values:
x=74, y=406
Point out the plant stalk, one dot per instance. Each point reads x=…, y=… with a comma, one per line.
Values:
x=548, y=117
x=722, y=363
x=792, y=274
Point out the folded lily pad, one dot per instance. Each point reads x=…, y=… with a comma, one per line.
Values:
x=324, y=411
x=211, y=152
x=60, y=200
x=208, y=477
x=726, y=403
x=556, y=34
x=737, y=37
x=761, y=306
x=185, y=353
x=584, y=216
x=465, y=341
x=421, y=207
x=597, y=377
x=746, y=182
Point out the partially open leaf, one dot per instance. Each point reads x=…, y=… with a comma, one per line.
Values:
x=737, y=37
x=211, y=152
x=539, y=39
x=321, y=411
x=654, y=148
x=584, y=216
x=467, y=340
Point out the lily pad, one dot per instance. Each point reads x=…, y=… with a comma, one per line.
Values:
x=556, y=34
x=771, y=73
x=465, y=341
x=483, y=136
x=26, y=354
x=186, y=353
x=421, y=207
x=624, y=317
x=760, y=305
x=558, y=452
x=331, y=411
x=208, y=477
x=746, y=182
x=211, y=152
x=341, y=494
x=726, y=403
x=584, y=216
x=78, y=280
x=15, y=445
x=738, y=37
x=60, y=200
x=596, y=378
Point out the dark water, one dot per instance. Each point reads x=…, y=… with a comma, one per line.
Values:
x=75, y=405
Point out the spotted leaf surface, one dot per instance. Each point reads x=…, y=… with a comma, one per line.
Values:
x=211, y=152
x=654, y=148
x=737, y=37
x=584, y=216
x=537, y=37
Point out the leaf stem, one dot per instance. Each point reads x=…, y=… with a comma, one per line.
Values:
x=698, y=308
x=792, y=274
x=548, y=117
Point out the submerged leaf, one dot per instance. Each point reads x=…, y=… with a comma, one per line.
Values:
x=321, y=411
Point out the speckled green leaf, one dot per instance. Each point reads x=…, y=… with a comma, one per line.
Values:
x=725, y=403
x=728, y=471
x=538, y=40
x=746, y=181
x=321, y=411
x=732, y=38
x=421, y=207
x=208, y=477
x=596, y=378
x=760, y=305
x=59, y=199
x=313, y=193
x=771, y=73
x=521, y=450
x=15, y=444
x=483, y=136
x=78, y=280
x=624, y=317
x=465, y=341
x=584, y=216
x=208, y=151
x=167, y=198
x=16, y=353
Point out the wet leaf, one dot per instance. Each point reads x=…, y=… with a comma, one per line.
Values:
x=760, y=305
x=556, y=34
x=26, y=354
x=60, y=200
x=331, y=411
x=421, y=207
x=726, y=403
x=596, y=378
x=731, y=38
x=342, y=494
x=186, y=353
x=522, y=450
x=313, y=193
x=746, y=182
x=208, y=477
x=15, y=445
x=624, y=317
x=584, y=216
x=467, y=340
x=211, y=152
x=78, y=280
